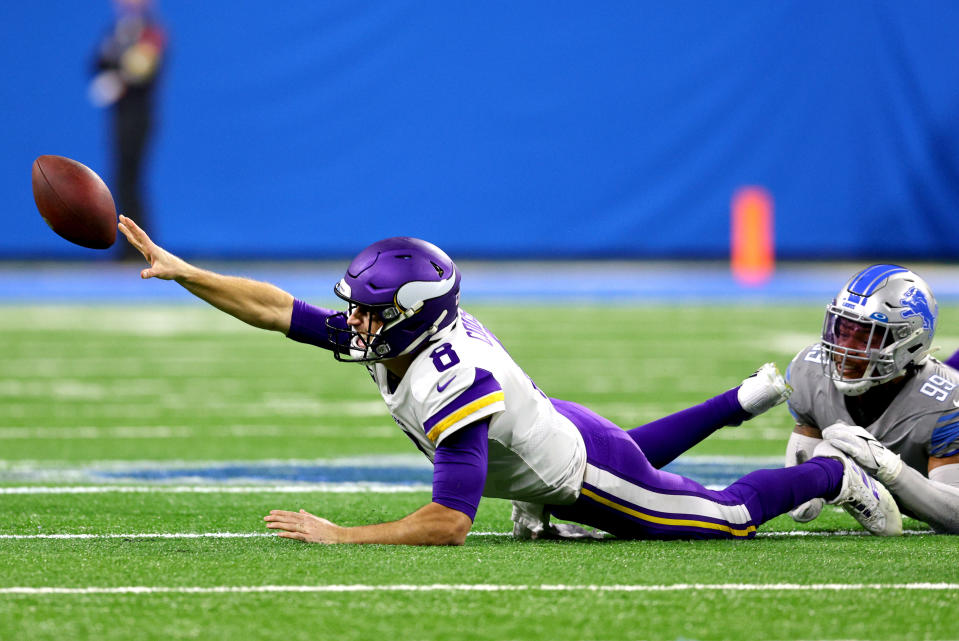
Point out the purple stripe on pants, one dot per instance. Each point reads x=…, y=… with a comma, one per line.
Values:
x=765, y=493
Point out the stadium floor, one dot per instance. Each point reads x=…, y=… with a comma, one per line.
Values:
x=143, y=440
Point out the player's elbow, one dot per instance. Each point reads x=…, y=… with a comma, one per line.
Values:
x=273, y=318
x=273, y=321
x=454, y=536
x=452, y=529
x=459, y=536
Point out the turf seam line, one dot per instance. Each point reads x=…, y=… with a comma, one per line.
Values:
x=172, y=535
x=333, y=488
x=143, y=535
x=676, y=587
x=247, y=535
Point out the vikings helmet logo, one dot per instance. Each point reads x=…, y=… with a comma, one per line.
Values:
x=916, y=303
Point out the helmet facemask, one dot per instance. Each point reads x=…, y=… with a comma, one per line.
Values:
x=859, y=353
x=365, y=343
x=880, y=325
x=369, y=345
x=408, y=290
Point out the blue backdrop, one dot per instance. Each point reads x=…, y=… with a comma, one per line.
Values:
x=496, y=129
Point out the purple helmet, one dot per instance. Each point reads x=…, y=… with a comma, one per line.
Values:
x=411, y=285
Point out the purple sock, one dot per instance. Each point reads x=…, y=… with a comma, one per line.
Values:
x=954, y=360
x=769, y=493
x=665, y=439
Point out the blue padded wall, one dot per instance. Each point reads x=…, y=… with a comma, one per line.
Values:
x=504, y=129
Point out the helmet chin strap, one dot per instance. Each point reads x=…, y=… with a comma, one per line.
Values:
x=853, y=388
x=860, y=387
x=429, y=333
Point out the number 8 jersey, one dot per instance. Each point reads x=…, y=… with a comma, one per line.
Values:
x=535, y=453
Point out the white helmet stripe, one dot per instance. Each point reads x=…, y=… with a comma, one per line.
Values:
x=411, y=295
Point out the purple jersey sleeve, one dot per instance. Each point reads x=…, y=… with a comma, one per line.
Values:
x=459, y=468
x=309, y=325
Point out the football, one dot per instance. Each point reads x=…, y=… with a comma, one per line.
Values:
x=74, y=202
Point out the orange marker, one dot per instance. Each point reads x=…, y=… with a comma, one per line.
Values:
x=752, y=242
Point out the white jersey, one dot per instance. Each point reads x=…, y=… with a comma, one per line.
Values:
x=535, y=453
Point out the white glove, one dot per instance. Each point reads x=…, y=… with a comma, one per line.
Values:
x=807, y=511
x=531, y=521
x=861, y=446
x=798, y=450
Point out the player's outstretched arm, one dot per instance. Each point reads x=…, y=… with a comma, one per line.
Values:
x=432, y=524
x=259, y=304
x=935, y=499
x=799, y=449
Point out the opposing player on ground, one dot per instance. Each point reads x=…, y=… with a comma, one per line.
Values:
x=872, y=390
x=489, y=431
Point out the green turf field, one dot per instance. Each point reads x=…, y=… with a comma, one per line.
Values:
x=88, y=552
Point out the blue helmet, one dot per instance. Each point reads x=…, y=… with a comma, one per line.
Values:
x=411, y=285
x=880, y=324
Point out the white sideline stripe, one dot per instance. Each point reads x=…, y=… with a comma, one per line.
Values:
x=177, y=535
x=397, y=460
x=376, y=460
x=144, y=535
x=89, y=432
x=828, y=533
x=480, y=587
x=250, y=535
x=332, y=488
x=86, y=432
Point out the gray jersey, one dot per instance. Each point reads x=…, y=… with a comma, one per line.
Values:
x=921, y=422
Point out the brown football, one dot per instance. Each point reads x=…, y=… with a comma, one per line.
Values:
x=74, y=201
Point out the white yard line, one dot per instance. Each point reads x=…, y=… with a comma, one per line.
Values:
x=376, y=460
x=145, y=535
x=107, y=404
x=457, y=587
x=88, y=432
x=333, y=488
x=251, y=535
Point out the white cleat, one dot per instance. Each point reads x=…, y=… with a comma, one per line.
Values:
x=764, y=390
x=867, y=500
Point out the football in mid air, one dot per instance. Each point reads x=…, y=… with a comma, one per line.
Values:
x=74, y=201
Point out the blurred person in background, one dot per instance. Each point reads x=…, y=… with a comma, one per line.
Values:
x=871, y=388
x=126, y=70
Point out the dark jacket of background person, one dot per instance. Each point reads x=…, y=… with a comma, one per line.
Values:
x=127, y=66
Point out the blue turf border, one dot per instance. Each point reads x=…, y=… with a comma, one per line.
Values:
x=483, y=282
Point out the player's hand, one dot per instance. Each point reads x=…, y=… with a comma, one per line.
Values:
x=163, y=264
x=798, y=451
x=302, y=526
x=807, y=511
x=866, y=450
